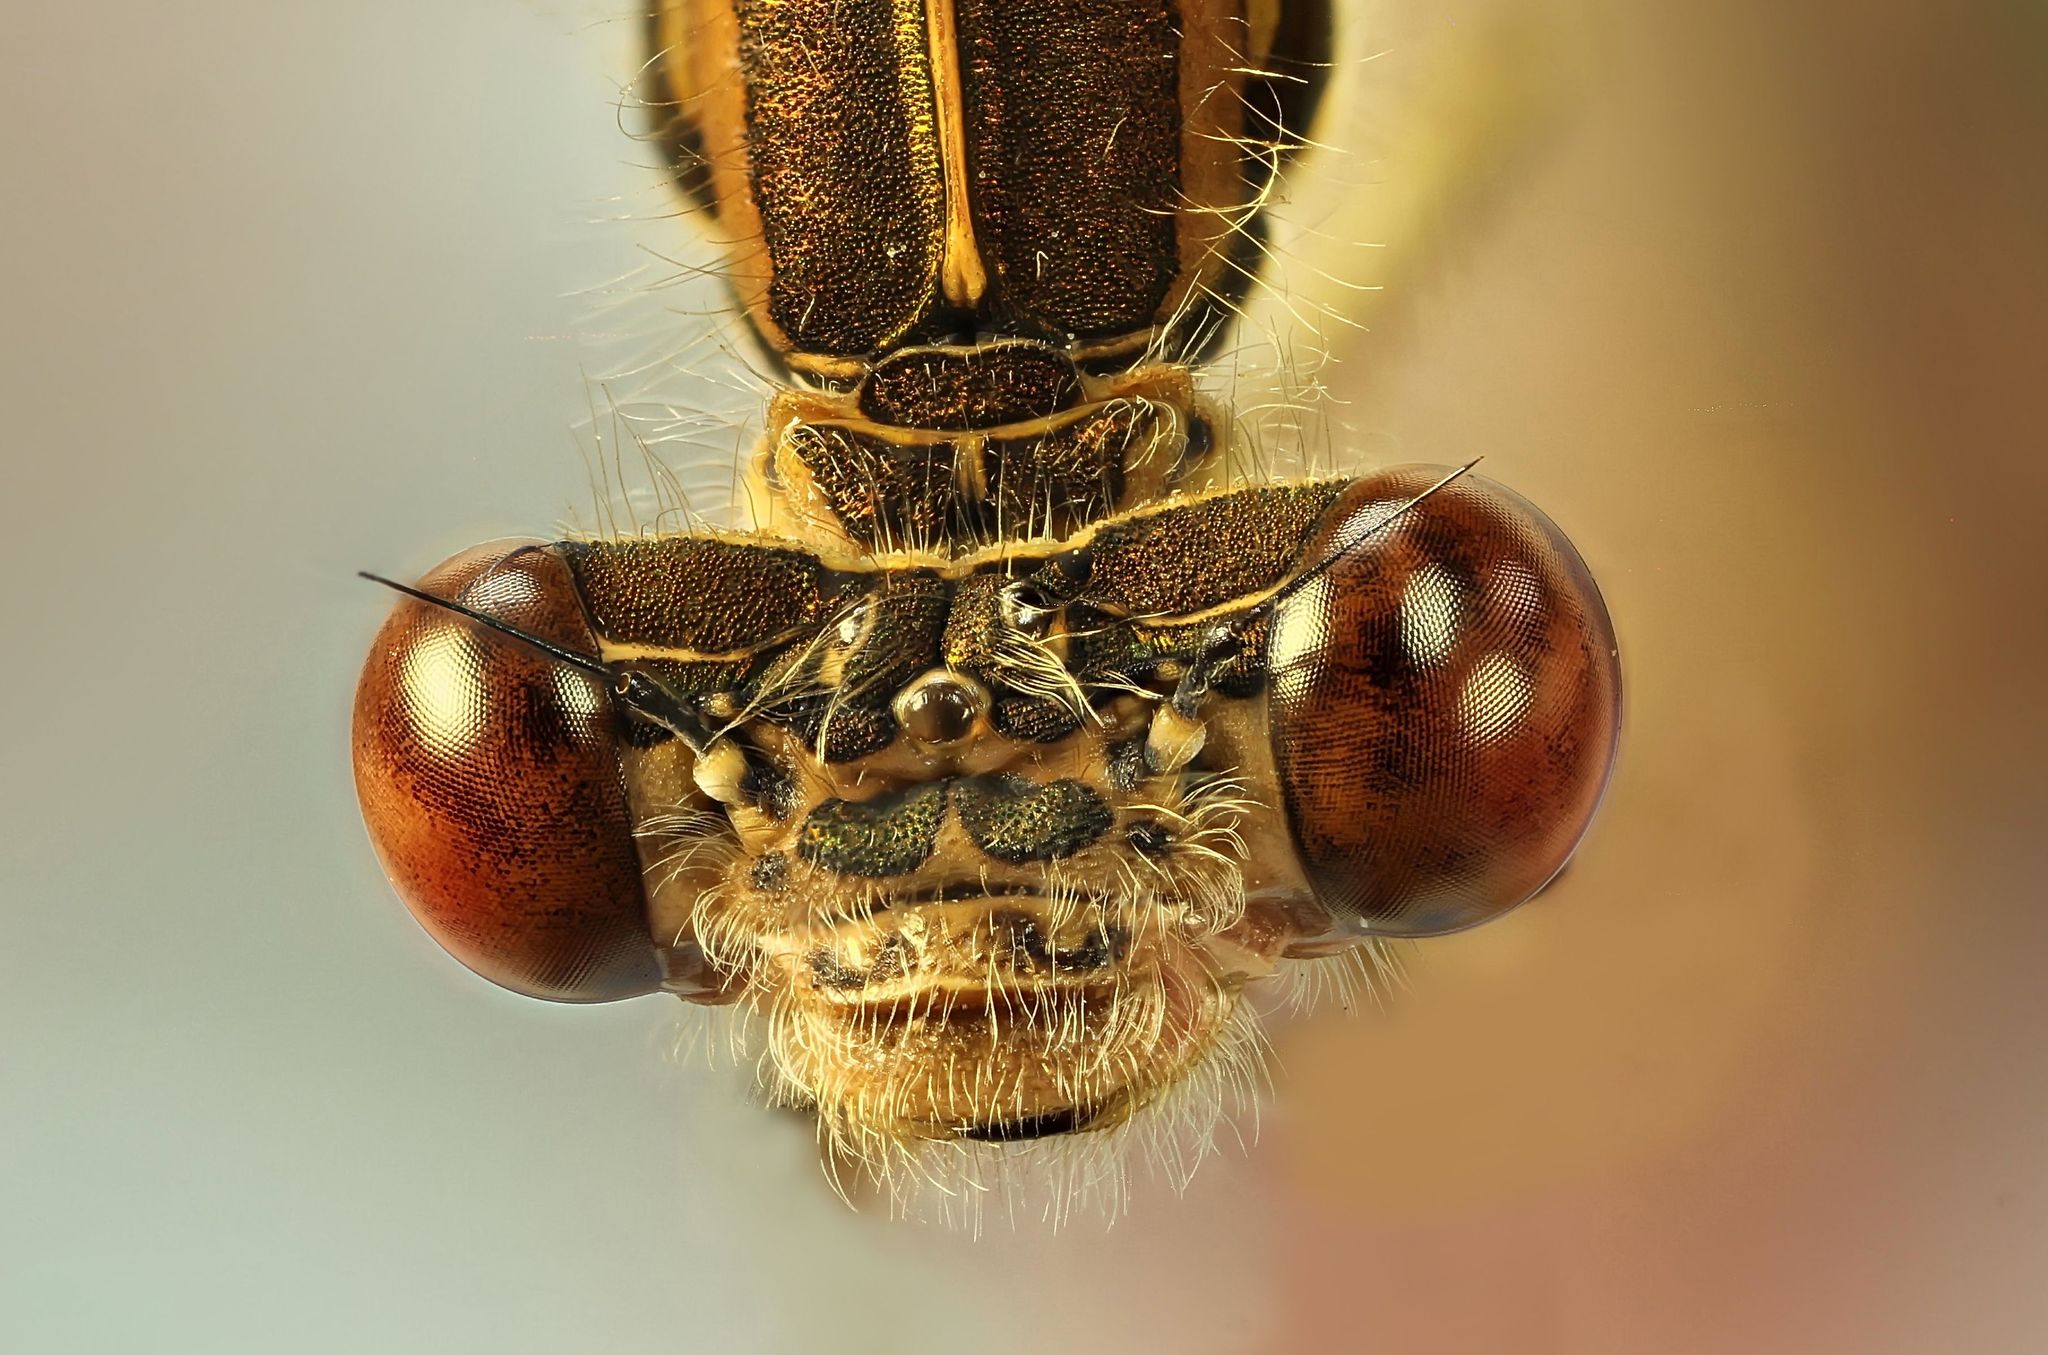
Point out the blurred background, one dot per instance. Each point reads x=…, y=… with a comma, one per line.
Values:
x=1752, y=297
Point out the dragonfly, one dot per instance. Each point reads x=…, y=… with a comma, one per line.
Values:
x=1021, y=740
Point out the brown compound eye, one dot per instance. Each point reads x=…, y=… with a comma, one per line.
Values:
x=489, y=780
x=1446, y=699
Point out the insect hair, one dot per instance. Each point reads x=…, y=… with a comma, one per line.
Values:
x=969, y=1185
x=672, y=430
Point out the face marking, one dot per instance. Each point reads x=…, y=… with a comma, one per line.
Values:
x=1019, y=737
x=874, y=839
x=1015, y=821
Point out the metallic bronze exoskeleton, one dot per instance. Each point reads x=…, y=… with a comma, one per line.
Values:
x=1016, y=740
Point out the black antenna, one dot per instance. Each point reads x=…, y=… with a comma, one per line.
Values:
x=639, y=692
x=1371, y=530
x=592, y=666
x=1226, y=638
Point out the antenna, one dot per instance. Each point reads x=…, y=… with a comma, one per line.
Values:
x=640, y=692
x=1371, y=530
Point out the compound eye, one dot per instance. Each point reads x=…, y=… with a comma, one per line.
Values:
x=1446, y=699
x=489, y=780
